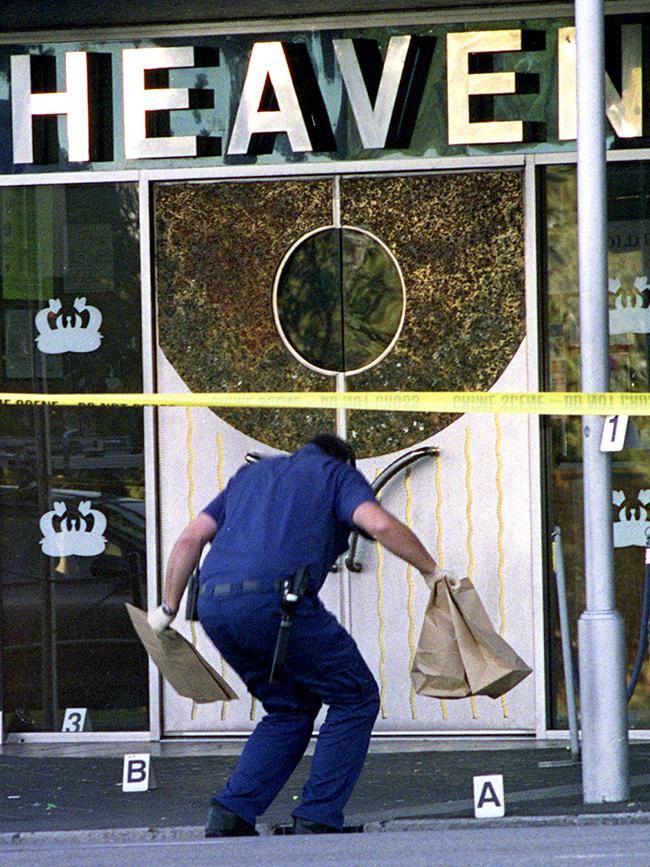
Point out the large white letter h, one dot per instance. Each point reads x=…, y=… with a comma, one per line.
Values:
x=72, y=102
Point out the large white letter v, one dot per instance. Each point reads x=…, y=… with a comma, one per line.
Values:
x=372, y=121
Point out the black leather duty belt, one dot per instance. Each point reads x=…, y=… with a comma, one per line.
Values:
x=251, y=585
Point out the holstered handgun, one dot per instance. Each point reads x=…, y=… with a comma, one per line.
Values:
x=293, y=590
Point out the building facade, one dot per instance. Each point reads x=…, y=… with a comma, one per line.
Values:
x=354, y=203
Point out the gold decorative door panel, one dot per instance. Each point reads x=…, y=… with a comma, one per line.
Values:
x=362, y=283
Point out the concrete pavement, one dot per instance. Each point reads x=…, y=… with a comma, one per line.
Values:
x=76, y=789
x=559, y=846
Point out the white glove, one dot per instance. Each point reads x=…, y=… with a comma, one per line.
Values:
x=159, y=620
x=438, y=574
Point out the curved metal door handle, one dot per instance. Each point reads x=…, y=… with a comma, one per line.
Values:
x=382, y=479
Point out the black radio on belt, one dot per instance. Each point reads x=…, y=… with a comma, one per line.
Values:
x=293, y=589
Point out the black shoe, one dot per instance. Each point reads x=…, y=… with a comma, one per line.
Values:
x=224, y=823
x=305, y=826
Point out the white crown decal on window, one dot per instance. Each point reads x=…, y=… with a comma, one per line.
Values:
x=68, y=332
x=633, y=522
x=65, y=534
x=631, y=311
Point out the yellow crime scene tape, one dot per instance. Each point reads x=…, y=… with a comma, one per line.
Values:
x=539, y=403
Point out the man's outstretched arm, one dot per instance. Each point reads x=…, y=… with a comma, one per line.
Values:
x=182, y=562
x=396, y=537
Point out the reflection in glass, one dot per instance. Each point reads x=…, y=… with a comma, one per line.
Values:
x=629, y=353
x=373, y=299
x=309, y=300
x=339, y=300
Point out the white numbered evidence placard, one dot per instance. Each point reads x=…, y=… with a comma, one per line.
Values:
x=137, y=773
x=76, y=719
x=614, y=429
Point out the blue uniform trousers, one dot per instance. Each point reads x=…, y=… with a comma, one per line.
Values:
x=323, y=666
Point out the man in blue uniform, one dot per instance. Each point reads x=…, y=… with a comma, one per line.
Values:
x=274, y=518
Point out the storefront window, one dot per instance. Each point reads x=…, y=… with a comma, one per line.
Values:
x=71, y=478
x=628, y=204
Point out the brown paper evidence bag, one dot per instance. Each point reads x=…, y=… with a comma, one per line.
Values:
x=180, y=663
x=459, y=652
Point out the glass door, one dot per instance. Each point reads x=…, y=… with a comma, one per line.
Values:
x=459, y=240
x=381, y=283
x=218, y=247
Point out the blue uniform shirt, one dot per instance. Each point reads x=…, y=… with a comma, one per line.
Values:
x=282, y=513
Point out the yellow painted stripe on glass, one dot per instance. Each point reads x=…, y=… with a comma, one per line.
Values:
x=382, y=626
x=190, y=506
x=440, y=559
x=470, y=527
x=220, y=459
x=500, y=533
x=411, y=592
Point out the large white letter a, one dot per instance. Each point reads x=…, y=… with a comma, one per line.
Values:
x=268, y=62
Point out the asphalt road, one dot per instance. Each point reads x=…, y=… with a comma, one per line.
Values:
x=608, y=845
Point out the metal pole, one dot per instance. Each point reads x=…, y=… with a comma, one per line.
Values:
x=567, y=651
x=605, y=761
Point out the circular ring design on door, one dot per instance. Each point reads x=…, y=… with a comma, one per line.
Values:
x=339, y=300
